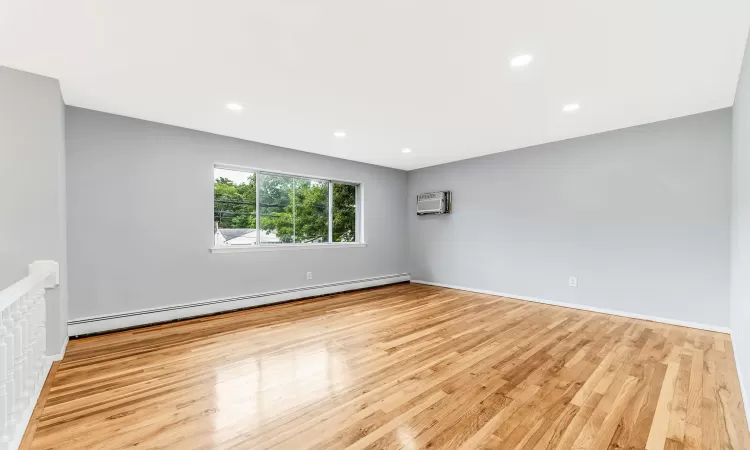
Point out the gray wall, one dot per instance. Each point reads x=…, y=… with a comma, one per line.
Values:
x=140, y=208
x=639, y=215
x=741, y=223
x=32, y=186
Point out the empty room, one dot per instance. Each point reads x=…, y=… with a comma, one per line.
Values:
x=375, y=225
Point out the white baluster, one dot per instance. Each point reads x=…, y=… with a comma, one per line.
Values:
x=40, y=342
x=5, y=438
x=33, y=363
x=42, y=337
x=9, y=365
x=26, y=360
x=37, y=357
x=18, y=374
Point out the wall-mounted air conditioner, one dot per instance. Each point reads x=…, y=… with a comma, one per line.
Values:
x=434, y=203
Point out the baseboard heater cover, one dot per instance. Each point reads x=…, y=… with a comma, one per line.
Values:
x=130, y=319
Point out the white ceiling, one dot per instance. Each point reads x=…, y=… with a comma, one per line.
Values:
x=431, y=75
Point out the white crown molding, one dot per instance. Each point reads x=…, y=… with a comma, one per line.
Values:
x=130, y=319
x=613, y=312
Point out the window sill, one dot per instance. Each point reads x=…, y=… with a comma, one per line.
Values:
x=273, y=248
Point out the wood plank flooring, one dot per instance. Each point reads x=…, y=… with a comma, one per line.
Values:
x=402, y=366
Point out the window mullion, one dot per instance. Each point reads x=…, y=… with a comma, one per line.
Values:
x=257, y=208
x=294, y=210
x=330, y=212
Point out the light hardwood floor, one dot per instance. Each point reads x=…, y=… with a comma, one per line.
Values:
x=403, y=366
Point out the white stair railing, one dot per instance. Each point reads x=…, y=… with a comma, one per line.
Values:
x=23, y=364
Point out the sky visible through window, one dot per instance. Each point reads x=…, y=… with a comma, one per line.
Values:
x=236, y=176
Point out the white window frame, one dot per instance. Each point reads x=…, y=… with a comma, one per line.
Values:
x=258, y=247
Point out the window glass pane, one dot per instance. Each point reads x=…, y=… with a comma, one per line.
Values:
x=293, y=210
x=275, y=216
x=311, y=210
x=344, y=212
x=234, y=208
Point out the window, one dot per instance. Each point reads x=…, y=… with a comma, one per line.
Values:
x=256, y=208
x=294, y=210
x=234, y=207
x=344, y=212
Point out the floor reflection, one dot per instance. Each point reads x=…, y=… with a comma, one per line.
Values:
x=406, y=438
x=250, y=393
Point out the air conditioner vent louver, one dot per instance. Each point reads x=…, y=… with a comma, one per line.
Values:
x=430, y=196
x=434, y=203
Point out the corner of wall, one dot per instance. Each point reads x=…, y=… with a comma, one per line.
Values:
x=739, y=307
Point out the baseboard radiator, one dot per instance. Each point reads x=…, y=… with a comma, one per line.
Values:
x=131, y=319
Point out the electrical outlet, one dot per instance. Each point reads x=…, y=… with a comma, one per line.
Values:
x=309, y=275
x=573, y=281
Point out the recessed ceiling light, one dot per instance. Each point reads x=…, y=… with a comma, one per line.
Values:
x=571, y=107
x=521, y=60
x=340, y=134
x=406, y=150
x=235, y=106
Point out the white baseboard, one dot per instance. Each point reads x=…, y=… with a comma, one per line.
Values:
x=99, y=324
x=681, y=323
x=743, y=391
x=59, y=356
x=21, y=426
